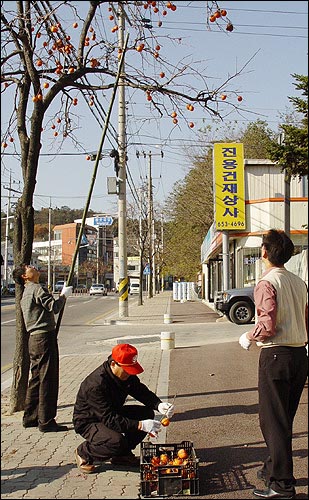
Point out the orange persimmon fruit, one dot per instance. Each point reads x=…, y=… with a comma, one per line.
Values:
x=165, y=421
x=182, y=453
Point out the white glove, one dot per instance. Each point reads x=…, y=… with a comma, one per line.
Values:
x=66, y=291
x=244, y=341
x=166, y=409
x=151, y=427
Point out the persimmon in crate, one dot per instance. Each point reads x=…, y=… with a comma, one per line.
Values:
x=168, y=469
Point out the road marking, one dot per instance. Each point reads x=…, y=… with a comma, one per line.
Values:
x=9, y=321
x=6, y=367
x=107, y=313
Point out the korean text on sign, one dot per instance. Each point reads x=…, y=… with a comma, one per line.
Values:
x=229, y=186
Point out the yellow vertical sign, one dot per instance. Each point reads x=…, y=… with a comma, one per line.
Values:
x=229, y=186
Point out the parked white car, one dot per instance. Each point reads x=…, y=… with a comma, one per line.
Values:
x=98, y=289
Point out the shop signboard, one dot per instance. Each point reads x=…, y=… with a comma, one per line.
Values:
x=229, y=186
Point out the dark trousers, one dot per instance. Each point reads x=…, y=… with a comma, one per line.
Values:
x=103, y=443
x=42, y=392
x=282, y=376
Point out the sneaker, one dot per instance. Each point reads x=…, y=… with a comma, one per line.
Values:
x=83, y=465
x=270, y=493
x=53, y=427
x=128, y=460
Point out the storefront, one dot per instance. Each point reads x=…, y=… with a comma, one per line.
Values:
x=264, y=209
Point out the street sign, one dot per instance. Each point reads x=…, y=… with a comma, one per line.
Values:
x=106, y=220
x=147, y=269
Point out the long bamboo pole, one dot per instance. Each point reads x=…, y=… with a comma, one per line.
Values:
x=94, y=174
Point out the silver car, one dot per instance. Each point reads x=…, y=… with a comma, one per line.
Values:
x=237, y=304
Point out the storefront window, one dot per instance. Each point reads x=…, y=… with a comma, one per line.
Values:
x=251, y=255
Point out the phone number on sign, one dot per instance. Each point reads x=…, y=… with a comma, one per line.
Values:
x=230, y=224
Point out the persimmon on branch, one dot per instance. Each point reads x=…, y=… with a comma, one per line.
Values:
x=54, y=63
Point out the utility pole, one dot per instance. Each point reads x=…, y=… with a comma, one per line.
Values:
x=49, y=247
x=287, y=192
x=141, y=247
x=98, y=254
x=162, y=250
x=122, y=209
x=151, y=227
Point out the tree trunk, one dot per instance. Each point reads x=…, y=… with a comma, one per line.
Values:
x=22, y=248
x=21, y=363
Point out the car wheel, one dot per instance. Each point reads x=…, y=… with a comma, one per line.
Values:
x=241, y=313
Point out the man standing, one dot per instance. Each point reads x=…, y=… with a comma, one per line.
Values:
x=39, y=308
x=111, y=428
x=281, y=332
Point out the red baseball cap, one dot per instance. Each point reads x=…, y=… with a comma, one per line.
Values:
x=125, y=356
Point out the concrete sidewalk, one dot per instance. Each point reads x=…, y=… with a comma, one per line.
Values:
x=216, y=408
x=37, y=465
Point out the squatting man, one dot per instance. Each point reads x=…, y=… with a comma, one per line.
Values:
x=111, y=428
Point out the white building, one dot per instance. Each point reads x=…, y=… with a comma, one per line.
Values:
x=265, y=209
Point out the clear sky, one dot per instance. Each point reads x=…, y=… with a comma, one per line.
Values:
x=276, y=32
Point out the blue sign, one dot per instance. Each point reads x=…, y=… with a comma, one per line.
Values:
x=103, y=221
x=84, y=240
x=147, y=269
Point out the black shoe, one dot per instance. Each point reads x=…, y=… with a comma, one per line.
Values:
x=269, y=493
x=33, y=423
x=54, y=427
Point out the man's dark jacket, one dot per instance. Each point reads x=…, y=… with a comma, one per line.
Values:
x=101, y=397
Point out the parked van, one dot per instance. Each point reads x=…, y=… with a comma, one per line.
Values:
x=134, y=288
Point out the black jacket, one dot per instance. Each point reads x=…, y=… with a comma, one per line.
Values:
x=102, y=395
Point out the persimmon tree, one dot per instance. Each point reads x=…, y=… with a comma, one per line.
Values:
x=58, y=55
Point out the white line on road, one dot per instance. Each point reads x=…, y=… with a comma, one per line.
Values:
x=9, y=321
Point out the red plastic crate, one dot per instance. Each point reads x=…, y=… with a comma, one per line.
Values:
x=169, y=479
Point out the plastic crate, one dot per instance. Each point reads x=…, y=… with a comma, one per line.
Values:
x=163, y=480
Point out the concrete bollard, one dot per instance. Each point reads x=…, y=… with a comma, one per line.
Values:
x=167, y=340
x=167, y=319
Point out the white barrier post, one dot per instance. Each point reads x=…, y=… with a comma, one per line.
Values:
x=167, y=340
x=167, y=317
